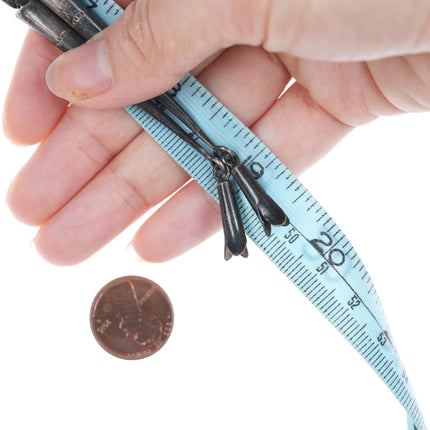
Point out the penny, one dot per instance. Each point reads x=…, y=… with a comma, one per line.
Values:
x=131, y=317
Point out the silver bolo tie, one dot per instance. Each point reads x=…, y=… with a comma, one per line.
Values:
x=68, y=24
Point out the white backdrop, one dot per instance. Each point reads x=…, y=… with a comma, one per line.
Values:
x=247, y=350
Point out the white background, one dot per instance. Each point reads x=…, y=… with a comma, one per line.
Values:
x=247, y=350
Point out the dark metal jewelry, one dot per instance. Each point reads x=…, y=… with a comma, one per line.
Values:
x=68, y=24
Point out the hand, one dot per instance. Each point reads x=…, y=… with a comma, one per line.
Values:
x=96, y=171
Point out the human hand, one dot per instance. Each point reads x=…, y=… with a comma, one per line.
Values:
x=96, y=171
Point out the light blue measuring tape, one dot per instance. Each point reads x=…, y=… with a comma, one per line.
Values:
x=311, y=251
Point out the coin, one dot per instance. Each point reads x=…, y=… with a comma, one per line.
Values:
x=131, y=317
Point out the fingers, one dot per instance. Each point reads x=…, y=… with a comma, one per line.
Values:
x=142, y=175
x=154, y=43
x=80, y=146
x=129, y=185
x=299, y=130
x=347, y=91
x=295, y=128
x=333, y=30
x=188, y=218
x=404, y=81
x=356, y=93
x=31, y=110
x=145, y=52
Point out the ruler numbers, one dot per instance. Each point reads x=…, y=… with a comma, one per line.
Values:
x=311, y=251
x=316, y=256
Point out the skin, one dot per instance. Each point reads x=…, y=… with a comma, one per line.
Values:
x=95, y=171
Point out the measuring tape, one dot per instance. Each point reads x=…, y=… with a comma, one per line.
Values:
x=311, y=251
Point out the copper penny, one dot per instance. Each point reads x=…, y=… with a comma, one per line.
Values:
x=131, y=317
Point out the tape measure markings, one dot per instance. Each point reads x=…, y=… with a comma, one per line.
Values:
x=324, y=267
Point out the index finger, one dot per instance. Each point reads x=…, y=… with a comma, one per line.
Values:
x=31, y=110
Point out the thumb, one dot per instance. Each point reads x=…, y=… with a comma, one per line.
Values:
x=155, y=42
x=146, y=51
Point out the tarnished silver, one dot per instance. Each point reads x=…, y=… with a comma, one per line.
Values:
x=12, y=3
x=49, y=25
x=234, y=232
x=267, y=210
x=77, y=15
x=168, y=102
x=69, y=23
x=264, y=206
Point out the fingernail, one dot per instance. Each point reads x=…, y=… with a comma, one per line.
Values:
x=81, y=73
x=131, y=252
x=33, y=245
